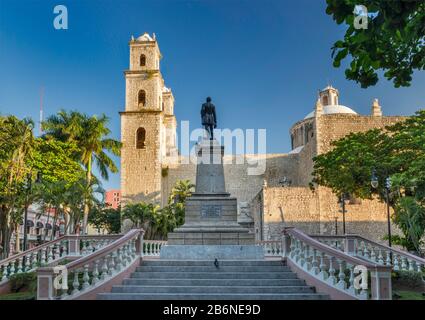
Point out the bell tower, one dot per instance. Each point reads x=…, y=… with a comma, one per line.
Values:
x=144, y=122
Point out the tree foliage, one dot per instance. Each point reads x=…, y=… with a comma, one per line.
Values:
x=397, y=152
x=157, y=222
x=393, y=42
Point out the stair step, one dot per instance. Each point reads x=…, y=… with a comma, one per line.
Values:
x=211, y=263
x=212, y=268
x=211, y=289
x=198, y=296
x=214, y=275
x=213, y=282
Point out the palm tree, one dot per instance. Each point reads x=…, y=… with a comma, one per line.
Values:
x=90, y=135
x=16, y=145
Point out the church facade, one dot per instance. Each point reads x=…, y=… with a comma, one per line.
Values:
x=279, y=197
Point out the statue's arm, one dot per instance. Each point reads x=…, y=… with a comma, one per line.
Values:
x=215, y=117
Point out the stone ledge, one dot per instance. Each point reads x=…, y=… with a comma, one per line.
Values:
x=211, y=252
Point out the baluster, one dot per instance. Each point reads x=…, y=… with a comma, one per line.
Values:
x=403, y=263
x=111, y=264
x=341, y=275
x=410, y=262
x=388, y=258
x=131, y=250
x=34, y=260
x=12, y=268
x=418, y=267
x=302, y=254
x=75, y=283
x=308, y=264
x=86, y=277
x=292, y=248
x=4, y=276
x=118, y=263
x=366, y=254
x=372, y=254
x=380, y=257
x=351, y=288
x=396, y=262
x=28, y=262
x=50, y=254
x=323, y=273
x=19, y=265
x=44, y=255
x=83, y=248
x=95, y=278
x=104, y=268
x=315, y=269
x=332, y=278
x=361, y=249
x=124, y=258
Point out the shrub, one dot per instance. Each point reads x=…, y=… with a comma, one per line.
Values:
x=408, y=279
x=26, y=281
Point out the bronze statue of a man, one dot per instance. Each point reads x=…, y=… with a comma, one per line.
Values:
x=209, y=118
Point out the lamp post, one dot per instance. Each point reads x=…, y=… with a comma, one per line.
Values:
x=29, y=189
x=342, y=199
x=336, y=225
x=375, y=183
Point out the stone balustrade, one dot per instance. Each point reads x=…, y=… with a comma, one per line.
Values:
x=332, y=270
x=374, y=252
x=92, y=270
x=52, y=252
x=152, y=248
x=272, y=248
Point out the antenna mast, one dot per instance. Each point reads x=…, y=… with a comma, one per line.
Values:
x=41, y=110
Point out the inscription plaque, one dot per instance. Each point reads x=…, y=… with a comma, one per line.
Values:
x=211, y=211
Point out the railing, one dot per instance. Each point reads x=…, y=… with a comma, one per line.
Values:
x=374, y=252
x=93, y=270
x=152, y=248
x=334, y=269
x=271, y=248
x=51, y=252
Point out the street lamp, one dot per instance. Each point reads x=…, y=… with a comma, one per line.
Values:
x=341, y=202
x=375, y=183
x=29, y=189
x=336, y=225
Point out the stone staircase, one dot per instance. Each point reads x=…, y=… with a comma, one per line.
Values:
x=201, y=280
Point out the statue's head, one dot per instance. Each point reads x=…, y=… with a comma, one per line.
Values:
x=208, y=99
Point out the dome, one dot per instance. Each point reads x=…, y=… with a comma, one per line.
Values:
x=145, y=37
x=332, y=109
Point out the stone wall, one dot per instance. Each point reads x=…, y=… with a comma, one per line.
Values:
x=140, y=168
x=289, y=207
x=239, y=182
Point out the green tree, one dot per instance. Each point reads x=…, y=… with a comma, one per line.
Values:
x=90, y=134
x=398, y=153
x=393, y=42
x=108, y=219
x=16, y=144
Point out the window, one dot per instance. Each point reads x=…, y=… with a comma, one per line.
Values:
x=325, y=101
x=142, y=60
x=140, y=138
x=142, y=98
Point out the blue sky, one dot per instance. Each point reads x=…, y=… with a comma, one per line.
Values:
x=262, y=62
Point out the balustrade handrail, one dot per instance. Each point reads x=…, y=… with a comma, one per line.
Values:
x=26, y=252
x=49, y=243
x=105, y=250
x=376, y=244
x=329, y=250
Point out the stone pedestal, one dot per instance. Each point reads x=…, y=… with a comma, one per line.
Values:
x=211, y=223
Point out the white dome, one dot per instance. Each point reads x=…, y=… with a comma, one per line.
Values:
x=145, y=37
x=331, y=109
